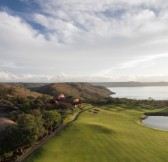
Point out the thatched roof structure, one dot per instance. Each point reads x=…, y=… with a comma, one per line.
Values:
x=61, y=96
x=76, y=100
x=4, y=122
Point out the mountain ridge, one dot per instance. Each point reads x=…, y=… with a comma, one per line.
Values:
x=129, y=84
x=77, y=90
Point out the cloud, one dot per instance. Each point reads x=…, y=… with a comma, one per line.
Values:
x=141, y=60
x=7, y=76
x=10, y=77
x=128, y=26
x=146, y=63
x=85, y=39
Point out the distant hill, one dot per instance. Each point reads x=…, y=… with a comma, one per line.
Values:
x=16, y=90
x=129, y=84
x=26, y=85
x=78, y=90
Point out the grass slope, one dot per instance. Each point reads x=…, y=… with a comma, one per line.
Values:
x=113, y=135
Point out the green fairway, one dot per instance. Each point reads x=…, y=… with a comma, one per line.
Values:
x=113, y=135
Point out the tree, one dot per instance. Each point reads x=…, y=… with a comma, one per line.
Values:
x=21, y=100
x=9, y=140
x=65, y=106
x=52, y=119
x=39, y=122
x=38, y=103
x=28, y=129
x=26, y=107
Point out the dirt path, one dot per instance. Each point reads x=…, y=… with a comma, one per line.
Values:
x=45, y=140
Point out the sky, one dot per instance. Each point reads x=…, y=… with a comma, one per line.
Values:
x=91, y=40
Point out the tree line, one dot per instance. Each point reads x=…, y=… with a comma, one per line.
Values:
x=35, y=118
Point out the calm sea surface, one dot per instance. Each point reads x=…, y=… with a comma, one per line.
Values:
x=157, y=93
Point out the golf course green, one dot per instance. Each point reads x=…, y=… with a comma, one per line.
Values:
x=114, y=134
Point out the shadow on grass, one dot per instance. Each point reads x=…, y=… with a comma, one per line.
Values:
x=100, y=129
x=133, y=106
x=38, y=153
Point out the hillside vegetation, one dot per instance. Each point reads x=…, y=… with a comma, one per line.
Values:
x=78, y=90
x=17, y=90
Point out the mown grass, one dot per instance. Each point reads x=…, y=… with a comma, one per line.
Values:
x=113, y=135
x=70, y=117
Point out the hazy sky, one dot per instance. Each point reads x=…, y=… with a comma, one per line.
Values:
x=83, y=40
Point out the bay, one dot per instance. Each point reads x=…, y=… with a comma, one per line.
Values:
x=155, y=92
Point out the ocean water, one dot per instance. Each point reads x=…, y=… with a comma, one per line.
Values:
x=157, y=93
